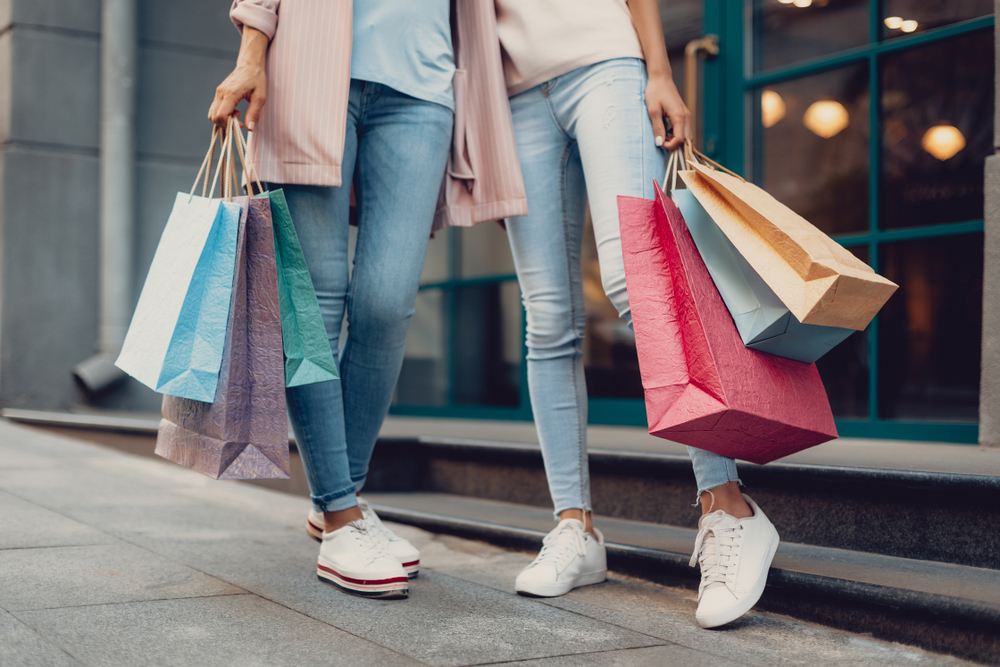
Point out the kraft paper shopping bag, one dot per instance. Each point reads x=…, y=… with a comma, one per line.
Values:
x=702, y=386
x=816, y=278
x=763, y=321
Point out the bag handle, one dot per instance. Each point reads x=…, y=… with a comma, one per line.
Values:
x=244, y=152
x=694, y=155
x=206, y=163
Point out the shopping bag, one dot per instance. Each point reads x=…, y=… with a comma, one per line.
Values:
x=763, y=321
x=243, y=433
x=308, y=355
x=816, y=278
x=702, y=386
x=174, y=342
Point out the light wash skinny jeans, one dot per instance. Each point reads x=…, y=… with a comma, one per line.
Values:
x=397, y=148
x=585, y=133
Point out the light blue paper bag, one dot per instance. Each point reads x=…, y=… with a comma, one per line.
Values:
x=175, y=341
x=763, y=321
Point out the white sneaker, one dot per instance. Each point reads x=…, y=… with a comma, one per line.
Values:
x=570, y=557
x=407, y=554
x=353, y=560
x=735, y=556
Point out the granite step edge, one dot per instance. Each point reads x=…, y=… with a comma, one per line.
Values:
x=798, y=567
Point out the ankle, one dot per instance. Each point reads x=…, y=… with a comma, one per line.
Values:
x=583, y=517
x=728, y=498
x=336, y=520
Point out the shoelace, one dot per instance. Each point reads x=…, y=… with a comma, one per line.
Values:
x=716, y=550
x=562, y=544
x=375, y=525
x=369, y=546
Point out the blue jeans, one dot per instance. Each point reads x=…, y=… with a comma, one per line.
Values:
x=585, y=133
x=397, y=148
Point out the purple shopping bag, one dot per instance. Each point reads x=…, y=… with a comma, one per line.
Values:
x=243, y=434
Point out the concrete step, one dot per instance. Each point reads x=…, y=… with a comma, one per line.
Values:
x=942, y=607
x=916, y=514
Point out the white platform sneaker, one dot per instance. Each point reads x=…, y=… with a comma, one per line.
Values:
x=735, y=556
x=353, y=560
x=401, y=549
x=570, y=557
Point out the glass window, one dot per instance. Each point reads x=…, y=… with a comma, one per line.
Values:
x=905, y=17
x=937, y=102
x=844, y=369
x=813, y=138
x=790, y=31
x=423, y=379
x=929, y=332
x=487, y=344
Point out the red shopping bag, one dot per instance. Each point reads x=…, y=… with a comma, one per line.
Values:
x=703, y=387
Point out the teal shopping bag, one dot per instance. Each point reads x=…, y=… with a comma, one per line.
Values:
x=175, y=341
x=308, y=356
x=763, y=321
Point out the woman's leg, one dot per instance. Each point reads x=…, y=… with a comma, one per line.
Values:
x=402, y=154
x=604, y=107
x=320, y=215
x=546, y=247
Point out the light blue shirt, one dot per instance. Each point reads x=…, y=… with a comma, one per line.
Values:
x=405, y=45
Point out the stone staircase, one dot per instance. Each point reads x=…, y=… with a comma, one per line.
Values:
x=908, y=555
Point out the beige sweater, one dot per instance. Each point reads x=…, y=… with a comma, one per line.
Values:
x=541, y=39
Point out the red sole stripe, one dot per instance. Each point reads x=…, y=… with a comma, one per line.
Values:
x=365, y=582
x=411, y=563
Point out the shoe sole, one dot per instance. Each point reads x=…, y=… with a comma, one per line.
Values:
x=391, y=588
x=555, y=590
x=730, y=615
x=412, y=568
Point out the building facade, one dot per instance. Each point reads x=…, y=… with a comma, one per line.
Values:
x=871, y=118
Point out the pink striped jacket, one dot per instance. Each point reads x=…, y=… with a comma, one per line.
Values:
x=299, y=137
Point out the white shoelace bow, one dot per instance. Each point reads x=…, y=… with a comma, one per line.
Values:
x=559, y=550
x=718, y=563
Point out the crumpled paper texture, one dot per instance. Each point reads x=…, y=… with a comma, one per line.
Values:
x=174, y=343
x=308, y=355
x=763, y=321
x=703, y=387
x=243, y=433
x=814, y=276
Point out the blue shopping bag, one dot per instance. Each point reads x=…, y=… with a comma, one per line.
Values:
x=763, y=321
x=175, y=341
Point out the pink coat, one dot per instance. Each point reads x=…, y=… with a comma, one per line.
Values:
x=299, y=137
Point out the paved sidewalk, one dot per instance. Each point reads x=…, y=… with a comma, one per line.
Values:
x=112, y=559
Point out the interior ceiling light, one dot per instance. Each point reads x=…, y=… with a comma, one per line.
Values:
x=943, y=141
x=785, y=2
x=772, y=108
x=893, y=22
x=909, y=25
x=826, y=118
x=802, y=3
